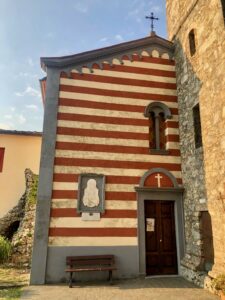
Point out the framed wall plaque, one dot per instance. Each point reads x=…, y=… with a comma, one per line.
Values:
x=91, y=193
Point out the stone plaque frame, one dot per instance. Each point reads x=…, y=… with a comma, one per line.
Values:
x=82, y=185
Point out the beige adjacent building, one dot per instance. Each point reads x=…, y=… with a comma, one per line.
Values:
x=18, y=150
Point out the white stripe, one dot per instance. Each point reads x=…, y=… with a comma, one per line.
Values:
x=117, y=87
x=172, y=131
x=64, y=203
x=110, y=99
x=105, y=171
x=172, y=145
x=102, y=126
x=117, y=204
x=118, y=156
x=111, y=141
x=105, y=112
x=109, y=204
x=92, y=241
x=108, y=187
x=102, y=141
x=74, y=222
x=130, y=75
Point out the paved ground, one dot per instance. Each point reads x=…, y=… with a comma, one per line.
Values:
x=134, y=289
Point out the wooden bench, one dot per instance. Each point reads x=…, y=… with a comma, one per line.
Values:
x=90, y=263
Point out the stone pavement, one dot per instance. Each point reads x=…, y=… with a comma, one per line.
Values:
x=173, y=288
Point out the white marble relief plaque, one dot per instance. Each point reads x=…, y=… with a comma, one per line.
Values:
x=91, y=196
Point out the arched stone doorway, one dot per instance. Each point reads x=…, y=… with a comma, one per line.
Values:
x=160, y=223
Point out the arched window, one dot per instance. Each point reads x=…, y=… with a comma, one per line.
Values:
x=152, y=134
x=157, y=113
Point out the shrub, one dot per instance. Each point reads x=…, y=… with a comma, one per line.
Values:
x=32, y=196
x=219, y=283
x=5, y=249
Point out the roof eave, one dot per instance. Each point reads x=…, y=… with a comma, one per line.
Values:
x=84, y=57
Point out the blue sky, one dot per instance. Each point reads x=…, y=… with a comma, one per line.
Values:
x=32, y=29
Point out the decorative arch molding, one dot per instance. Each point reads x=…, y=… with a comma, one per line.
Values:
x=155, y=52
x=158, y=106
x=158, y=170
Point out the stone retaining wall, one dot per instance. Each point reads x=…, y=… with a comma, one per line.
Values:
x=18, y=223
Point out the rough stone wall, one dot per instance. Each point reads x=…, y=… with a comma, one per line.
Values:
x=192, y=168
x=24, y=215
x=201, y=79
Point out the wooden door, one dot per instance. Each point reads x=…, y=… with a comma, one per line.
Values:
x=161, y=252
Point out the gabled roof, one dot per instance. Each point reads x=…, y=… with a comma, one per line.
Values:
x=98, y=55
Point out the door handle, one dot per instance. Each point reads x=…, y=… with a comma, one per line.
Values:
x=160, y=240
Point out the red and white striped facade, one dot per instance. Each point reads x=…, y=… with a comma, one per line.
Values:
x=101, y=128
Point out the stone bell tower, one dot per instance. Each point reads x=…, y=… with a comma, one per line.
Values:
x=197, y=29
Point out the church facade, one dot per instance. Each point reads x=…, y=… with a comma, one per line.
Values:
x=110, y=175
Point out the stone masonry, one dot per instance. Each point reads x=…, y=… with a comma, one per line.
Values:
x=23, y=215
x=192, y=167
x=200, y=78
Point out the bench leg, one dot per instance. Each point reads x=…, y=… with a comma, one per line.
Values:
x=110, y=276
x=71, y=279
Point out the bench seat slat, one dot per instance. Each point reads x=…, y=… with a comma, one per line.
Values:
x=79, y=269
x=90, y=262
x=91, y=257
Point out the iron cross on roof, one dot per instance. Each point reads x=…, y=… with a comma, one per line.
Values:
x=152, y=18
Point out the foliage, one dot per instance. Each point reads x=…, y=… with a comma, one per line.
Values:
x=11, y=293
x=13, y=276
x=12, y=279
x=219, y=283
x=32, y=196
x=5, y=249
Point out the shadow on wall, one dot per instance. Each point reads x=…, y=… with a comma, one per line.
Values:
x=11, y=230
x=199, y=254
x=207, y=240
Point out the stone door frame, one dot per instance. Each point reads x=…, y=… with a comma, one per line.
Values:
x=174, y=194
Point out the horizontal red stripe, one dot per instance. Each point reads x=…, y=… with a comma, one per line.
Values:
x=108, y=106
x=101, y=148
x=102, y=133
x=113, y=93
x=62, y=161
x=154, y=60
x=57, y=177
x=172, y=124
x=64, y=194
x=122, y=81
x=112, y=179
x=128, y=196
x=111, y=120
x=108, y=148
x=64, y=213
x=109, y=179
x=70, y=194
x=91, y=232
x=138, y=70
x=72, y=212
x=102, y=119
x=172, y=138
